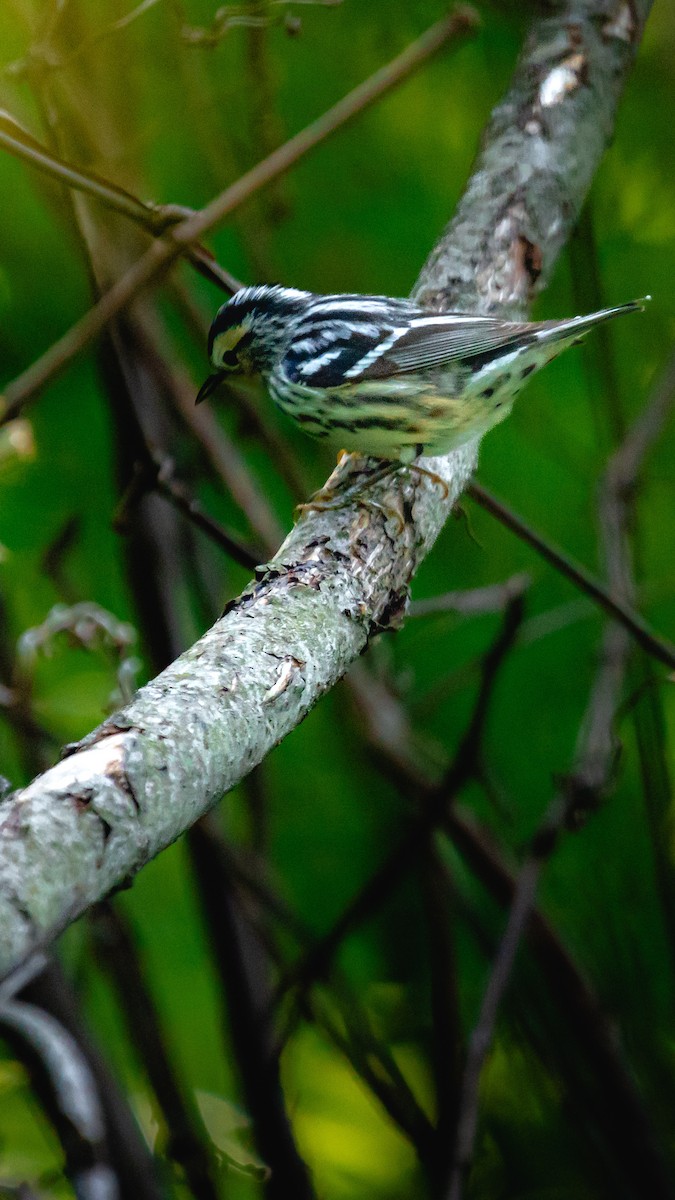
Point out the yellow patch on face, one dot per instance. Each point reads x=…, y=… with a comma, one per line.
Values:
x=225, y=344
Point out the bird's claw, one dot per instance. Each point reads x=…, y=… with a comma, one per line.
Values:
x=329, y=498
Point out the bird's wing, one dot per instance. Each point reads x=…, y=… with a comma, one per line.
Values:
x=340, y=353
x=349, y=340
x=436, y=341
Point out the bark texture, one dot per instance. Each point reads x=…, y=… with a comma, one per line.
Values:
x=144, y=776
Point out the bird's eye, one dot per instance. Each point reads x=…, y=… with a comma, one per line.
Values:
x=230, y=360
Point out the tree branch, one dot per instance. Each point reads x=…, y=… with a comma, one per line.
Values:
x=145, y=775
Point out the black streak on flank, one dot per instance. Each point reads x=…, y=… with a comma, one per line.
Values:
x=306, y=419
x=528, y=370
x=399, y=424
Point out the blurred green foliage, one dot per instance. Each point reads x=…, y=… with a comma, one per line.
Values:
x=176, y=123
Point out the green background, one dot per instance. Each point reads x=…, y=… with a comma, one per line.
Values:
x=176, y=123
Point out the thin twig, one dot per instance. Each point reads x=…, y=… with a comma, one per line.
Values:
x=162, y=254
x=231, y=16
x=154, y=218
x=615, y=606
x=53, y=61
x=155, y=473
x=472, y=601
x=179, y=496
x=227, y=460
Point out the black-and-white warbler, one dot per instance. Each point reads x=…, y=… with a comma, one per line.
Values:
x=382, y=376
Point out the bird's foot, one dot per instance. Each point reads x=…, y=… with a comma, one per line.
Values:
x=416, y=469
x=339, y=496
x=334, y=497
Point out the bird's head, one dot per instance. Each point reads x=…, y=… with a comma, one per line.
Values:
x=250, y=332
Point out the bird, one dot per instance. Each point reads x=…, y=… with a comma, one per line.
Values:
x=382, y=376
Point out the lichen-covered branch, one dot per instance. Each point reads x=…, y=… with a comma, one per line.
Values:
x=148, y=773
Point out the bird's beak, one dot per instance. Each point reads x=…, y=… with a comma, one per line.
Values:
x=209, y=386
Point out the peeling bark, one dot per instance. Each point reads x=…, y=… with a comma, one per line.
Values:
x=144, y=776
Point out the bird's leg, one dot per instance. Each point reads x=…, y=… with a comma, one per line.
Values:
x=332, y=498
x=416, y=469
x=329, y=497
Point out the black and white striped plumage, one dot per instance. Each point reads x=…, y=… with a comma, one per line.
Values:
x=379, y=375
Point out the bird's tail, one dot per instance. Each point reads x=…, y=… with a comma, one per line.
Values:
x=573, y=327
